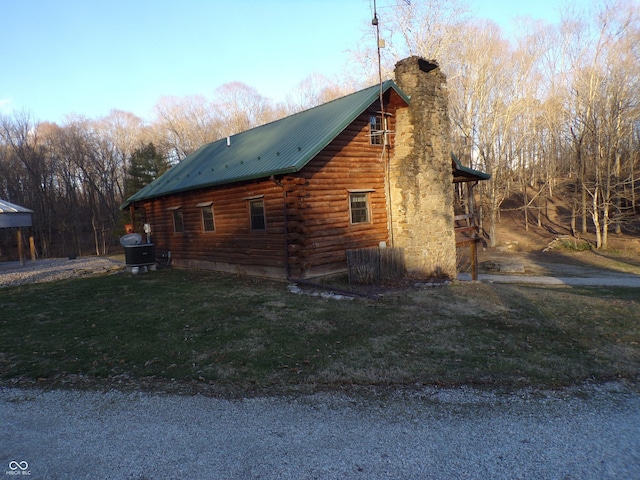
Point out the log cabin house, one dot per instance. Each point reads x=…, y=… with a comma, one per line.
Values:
x=288, y=199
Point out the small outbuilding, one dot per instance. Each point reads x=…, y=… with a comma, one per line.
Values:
x=288, y=199
x=15, y=216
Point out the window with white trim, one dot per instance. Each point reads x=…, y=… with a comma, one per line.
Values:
x=359, y=207
x=376, y=130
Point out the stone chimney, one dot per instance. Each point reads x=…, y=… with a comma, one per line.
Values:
x=420, y=173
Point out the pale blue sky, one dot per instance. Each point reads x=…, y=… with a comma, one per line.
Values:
x=60, y=57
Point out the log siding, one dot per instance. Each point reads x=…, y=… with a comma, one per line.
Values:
x=314, y=203
x=232, y=246
x=318, y=206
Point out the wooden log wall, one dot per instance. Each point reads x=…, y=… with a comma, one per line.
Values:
x=232, y=245
x=318, y=230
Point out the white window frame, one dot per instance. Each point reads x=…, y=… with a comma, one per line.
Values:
x=376, y=135
x=367, y=209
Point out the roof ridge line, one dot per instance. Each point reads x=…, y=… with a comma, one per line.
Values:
x=300, y=112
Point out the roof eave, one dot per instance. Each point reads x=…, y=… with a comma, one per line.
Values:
x=468, y=174
x=247, y=178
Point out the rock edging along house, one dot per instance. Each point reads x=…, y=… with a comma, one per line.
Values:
x=289, y=198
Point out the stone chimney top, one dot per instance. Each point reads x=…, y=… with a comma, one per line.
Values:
x=421, y=63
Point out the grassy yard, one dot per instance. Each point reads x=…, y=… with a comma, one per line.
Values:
x=183, y=331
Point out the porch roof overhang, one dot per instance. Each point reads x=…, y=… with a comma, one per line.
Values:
x=466, y=174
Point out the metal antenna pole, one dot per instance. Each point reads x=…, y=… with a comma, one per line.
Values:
x=375, y=23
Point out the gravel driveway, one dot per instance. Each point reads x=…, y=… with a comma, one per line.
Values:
x=583, y=433
x=52, y=269
x=618, y=280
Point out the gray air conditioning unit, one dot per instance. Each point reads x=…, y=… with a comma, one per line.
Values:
x=137, y=254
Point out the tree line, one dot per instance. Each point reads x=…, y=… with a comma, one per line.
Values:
x=552, y=112
x=76, y=175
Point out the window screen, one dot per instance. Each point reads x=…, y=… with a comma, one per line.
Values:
x=178, y=223
x=359, y=206
x=207, y=218
x=375, y=130
x=256, y=209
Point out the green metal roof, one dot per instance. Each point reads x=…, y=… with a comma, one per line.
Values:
x=280, y=147
x=466, y=174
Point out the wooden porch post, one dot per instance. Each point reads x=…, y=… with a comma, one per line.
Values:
x=132, y=215
x=476, y=232
x=20, y=247
x=32, y=248
x=474, y=260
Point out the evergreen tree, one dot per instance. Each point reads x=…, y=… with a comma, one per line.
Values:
x=145, y=165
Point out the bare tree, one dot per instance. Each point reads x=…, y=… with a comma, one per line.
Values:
x=426, y=28
x=240, y=107
x=121, y=133
x=603, y=110
x=314, y=90
x=182, y=125
x=491, y=105
x=26, y=163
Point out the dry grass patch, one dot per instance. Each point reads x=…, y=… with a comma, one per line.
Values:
x=235, y=335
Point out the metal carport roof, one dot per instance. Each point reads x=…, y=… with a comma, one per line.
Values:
x=14, y=216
